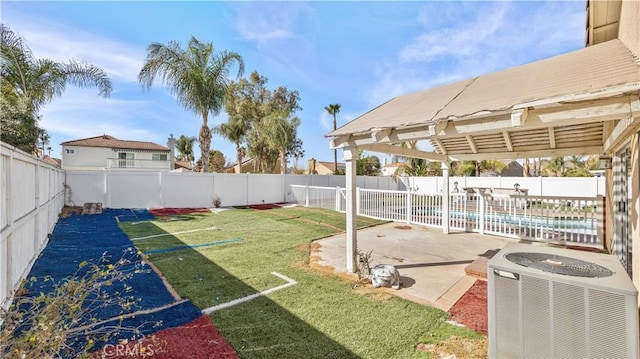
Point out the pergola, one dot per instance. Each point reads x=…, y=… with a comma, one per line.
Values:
x=579, y=103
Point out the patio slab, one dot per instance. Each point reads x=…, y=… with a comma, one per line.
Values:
x=431, y=264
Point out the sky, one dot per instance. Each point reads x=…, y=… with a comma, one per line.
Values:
x=357, y=54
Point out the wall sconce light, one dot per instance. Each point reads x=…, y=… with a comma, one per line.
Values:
x=455, y=186
x=605, y=163
x=516, y=186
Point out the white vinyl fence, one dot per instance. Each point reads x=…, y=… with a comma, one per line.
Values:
x=149, y=189
x=542, y=218
x=32, y=197
x=537, y=186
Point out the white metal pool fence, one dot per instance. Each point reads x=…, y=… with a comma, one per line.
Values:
x=541, y=218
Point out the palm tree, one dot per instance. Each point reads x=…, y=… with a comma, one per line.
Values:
x=555, y=167
x=283, y=133
x=29, y=83
x=197, y=77
x=184, y=145
x=234, y=131
x=334, y=109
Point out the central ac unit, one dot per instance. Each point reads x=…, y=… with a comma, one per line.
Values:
x=549, y=302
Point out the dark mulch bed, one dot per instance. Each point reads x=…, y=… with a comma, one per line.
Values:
x=262, y=207
x=163, y=212
x=471, y=309
x=197, y=339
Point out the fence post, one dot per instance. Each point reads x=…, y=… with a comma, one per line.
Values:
x=409, y=205
x=357, y=201
x=601, y=214
x=482, y=214
x=306, y=196
x=338, y=199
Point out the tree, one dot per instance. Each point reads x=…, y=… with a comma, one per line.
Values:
x=235, y=132
x=216, y=161
x=198, y=77
x=579, y=167
x=334, y=109
x=184, y=145
x=263, y=119
x=555, y=167
x=28, y=84
x=283, y=129
x=367, y=166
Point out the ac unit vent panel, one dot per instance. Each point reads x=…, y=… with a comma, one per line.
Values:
x=539, y=312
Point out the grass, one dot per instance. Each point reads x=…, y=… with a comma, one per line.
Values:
x=320, y=317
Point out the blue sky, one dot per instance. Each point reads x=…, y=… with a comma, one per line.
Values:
x=357, y=54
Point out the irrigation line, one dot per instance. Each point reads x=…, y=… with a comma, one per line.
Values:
x=234, y=302
x=174, y=233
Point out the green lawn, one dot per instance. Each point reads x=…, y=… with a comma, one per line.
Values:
x=320, y=317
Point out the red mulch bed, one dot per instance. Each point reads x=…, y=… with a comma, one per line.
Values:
x=160, y=212
x=471, y=309
x=198, y=339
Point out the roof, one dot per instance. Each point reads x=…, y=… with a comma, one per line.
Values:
x=53, y=161
x=183, y=164
x=107, y=141
x=589, y=70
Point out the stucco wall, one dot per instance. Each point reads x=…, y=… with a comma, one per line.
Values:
x=629, y=31
x=94, y=158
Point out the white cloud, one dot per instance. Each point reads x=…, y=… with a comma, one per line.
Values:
x=264, y=22
x=479, y=39
x=60, y=42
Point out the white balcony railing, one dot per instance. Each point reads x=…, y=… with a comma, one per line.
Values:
x=138, y=164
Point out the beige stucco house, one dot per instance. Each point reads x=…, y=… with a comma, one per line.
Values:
x=315, y=167
x=108, y=152
x=585, y=102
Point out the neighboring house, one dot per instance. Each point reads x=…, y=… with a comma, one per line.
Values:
x=108, y=152
x=391, y=168
x=316, y=167
x=57, y=162
x=513, y=169
x=249, y=165
x=184, y=166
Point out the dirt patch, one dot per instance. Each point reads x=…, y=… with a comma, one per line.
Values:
x=460, y=347
x=403, y=227
x=471, y=309
x=68, y=211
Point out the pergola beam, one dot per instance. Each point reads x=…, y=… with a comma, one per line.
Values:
x=472, y=144
x=588, y=150
x=507, y=141
x=552, y=137
x=403, y=151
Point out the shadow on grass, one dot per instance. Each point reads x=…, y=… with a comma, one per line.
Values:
x=259, y=328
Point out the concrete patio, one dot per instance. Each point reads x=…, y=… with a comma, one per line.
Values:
x=431, y=264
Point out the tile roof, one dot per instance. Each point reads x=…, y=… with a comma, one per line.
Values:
x=112, y=142
x=583, y=71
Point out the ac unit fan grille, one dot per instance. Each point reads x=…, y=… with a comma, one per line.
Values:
x=559, y=264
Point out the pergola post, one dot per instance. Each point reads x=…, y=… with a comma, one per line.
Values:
x=350, y=157
x=446, y=203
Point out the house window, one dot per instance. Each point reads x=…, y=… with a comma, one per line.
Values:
x=159, y=156
x=70, y=151
x=125, y=160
